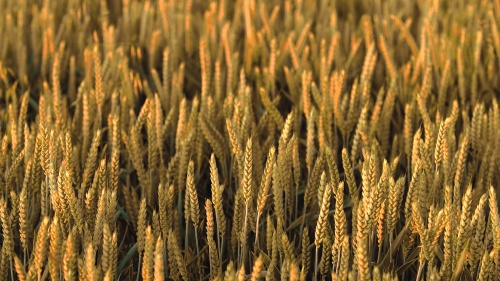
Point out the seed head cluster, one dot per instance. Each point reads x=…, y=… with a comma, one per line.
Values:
x=249, y=140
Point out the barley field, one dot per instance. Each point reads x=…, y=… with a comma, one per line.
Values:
x=249, y=140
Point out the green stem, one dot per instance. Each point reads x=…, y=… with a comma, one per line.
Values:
x=139, y=267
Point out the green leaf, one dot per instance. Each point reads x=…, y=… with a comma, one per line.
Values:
x=127, y=258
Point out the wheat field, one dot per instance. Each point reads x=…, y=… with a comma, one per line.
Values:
x=249, y=140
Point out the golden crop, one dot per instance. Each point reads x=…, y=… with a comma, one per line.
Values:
x=249, y=140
